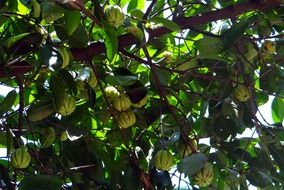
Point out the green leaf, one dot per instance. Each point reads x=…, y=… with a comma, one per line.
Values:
x=188, y=65
x=79, y=38
x=192, y=164
x=51, y=11
x=138, y=14
x=8, y=102
x=277, y=109
x=262, y=98
x=234, y=33
x=42, y=182
x=40, y=110
x=209, y=45
x=121, y=80
x=72, y=19
x=111, y=41
x=135, y=4
x=166, y=23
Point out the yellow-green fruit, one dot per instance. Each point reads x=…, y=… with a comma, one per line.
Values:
x=204, y=177
x=122, y=103
x=63, y=136
x=20, y=158
x=48, y=137
x=163, y=160
x=141, y=103
x=242, y=93
x=111, y=93
x=187, y=149
x=268, y=47
x=67, y=106
x=126, y=119
x=114, y=15
x=168, y=57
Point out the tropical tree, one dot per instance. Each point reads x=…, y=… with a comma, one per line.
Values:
x=130, y=94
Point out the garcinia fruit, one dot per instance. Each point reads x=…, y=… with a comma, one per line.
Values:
x=66, y=106
x=126, y=119
x=48, y=137
x=187, y=149
x=122, y=103
x=63, y=136
x=114, y=15
x=141, y=103
x=163, y=160
x=268, y=47
x=242, y=93
x=111, y=93
x=204, y=177
x=20, y=158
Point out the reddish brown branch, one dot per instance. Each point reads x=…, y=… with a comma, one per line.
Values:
x=184, y=22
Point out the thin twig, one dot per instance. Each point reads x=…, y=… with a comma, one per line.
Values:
x=21, y=105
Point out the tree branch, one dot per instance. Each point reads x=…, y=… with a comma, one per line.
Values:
x=184, y=22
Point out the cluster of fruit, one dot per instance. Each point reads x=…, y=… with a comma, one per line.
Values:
x=164, y=160
x=122, y=104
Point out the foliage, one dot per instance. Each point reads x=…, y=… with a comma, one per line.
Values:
x=97, y=94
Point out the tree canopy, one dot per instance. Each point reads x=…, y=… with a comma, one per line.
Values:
x=124, y=95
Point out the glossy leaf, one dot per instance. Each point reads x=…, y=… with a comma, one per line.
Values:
x=192, y=164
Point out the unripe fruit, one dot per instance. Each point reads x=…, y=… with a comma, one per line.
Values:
x=63, y=136
x=242, y=93
x=268, y=47
x=141, y=103
x=111, y=93
x=114, y=15
x=122, y=103
x=67, y=106
x=163, y=160
x=48, y=137
x=168, y=57
x=126, y=119
x=187, y=149
x=204, y=177
x=20, y=158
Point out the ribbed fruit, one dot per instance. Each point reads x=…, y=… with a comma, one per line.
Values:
x=122, y=103
x=126, y=119
x=242, y=93
x=67, y=106
x=111, y=93
x=141, y=103
x=187, y=149
x=163, y=160
x=114, y=15
x=204, y=177
x=20, y=158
